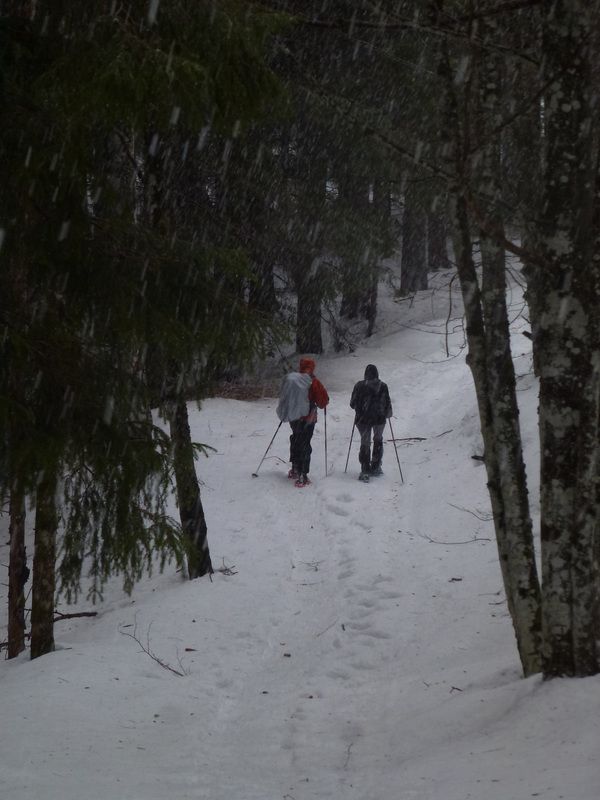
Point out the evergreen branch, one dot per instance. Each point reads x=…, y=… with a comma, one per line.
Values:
x=128, y=154
x=345, y=107
x=453, y=27
x=157, y=518
x=508, y=6
x=202, y=449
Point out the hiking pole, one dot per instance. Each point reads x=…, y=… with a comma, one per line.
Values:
x=350, y=445
x=255, y=474
x=395, y=450
x=325, y=413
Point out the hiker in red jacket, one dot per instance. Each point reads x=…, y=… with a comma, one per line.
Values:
x=302, y=393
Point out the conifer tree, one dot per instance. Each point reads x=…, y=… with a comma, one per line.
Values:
x=87, y=286
x=332, y=234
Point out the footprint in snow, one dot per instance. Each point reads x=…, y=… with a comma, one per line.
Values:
x=340, y=512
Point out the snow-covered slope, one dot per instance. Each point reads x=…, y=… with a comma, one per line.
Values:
x=355, y=642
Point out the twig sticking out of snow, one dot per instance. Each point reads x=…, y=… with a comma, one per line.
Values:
x=146, y=649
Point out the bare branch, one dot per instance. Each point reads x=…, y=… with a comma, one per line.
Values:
x=468, y=541
x=146, y=648
x=483, y=516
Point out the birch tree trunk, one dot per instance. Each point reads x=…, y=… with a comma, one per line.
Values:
x=502, y=451
x=491, y=365
x=567, y=286
x=516, y=550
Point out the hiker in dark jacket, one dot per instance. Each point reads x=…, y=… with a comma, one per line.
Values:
x=301, y=394
x=371, y=402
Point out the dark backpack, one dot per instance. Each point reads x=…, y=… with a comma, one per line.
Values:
x=371, y=402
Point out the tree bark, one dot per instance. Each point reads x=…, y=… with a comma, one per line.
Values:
x=44, y=568
x=493, y=375
x=191, y=512
x=370, y=305
x=516, y=550
x=309, y=338
x=567, y=343
x=437, y=246
x=515, y=542
x=413, y=268
x=18, y=574
x=356, y=267
x=502, y=448
x=524, y=175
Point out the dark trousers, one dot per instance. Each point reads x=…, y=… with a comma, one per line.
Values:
x=364, y=454
x=300, y=447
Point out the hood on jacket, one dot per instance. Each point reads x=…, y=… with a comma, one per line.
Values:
x=371, y=372
x=307, y=366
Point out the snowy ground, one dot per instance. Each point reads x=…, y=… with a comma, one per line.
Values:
x=356, y=644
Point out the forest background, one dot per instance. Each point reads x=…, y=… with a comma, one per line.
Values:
x=186, y=186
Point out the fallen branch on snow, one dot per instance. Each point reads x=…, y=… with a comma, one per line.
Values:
x=486, y=516
x=146, y=649
x=469, y=541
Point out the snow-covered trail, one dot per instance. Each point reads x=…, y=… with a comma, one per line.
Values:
x=352, y=649
x=354, y=643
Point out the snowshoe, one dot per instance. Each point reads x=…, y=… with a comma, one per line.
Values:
x=364, y=476
x=293, y=474
x=376, y=472
x=302, y=481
